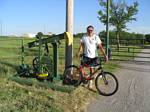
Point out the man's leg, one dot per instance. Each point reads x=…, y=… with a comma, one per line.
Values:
x=90, y=85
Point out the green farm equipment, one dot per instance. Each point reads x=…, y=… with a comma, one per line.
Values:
x=43, y=66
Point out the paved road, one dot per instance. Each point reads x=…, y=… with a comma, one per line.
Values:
x=134, y=90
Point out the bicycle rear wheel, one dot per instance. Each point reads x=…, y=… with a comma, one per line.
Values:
x=72, y=76
x=106, y=83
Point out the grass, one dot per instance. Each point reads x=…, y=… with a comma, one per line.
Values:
x=15, y=97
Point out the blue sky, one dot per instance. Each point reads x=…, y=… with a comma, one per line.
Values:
x=31, y=16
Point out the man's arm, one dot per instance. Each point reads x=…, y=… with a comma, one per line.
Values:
x=80, y=49
x=103, y=51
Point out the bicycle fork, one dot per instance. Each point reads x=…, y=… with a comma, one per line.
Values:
x=104, y=77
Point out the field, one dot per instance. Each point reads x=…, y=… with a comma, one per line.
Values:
x=15, y=97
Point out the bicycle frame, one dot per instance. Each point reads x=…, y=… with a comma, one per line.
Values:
x=87, y=76
x=102, y=78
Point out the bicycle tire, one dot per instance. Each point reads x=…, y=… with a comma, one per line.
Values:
x=72, y=76
x=106, y=83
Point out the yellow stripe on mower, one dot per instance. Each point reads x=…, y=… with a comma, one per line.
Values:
x=42, y=75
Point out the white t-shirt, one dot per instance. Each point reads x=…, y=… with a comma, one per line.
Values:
x=90, y=45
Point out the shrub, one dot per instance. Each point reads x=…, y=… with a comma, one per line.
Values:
x=147, y=36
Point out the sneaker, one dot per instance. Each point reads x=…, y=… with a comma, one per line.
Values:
x=90, y=84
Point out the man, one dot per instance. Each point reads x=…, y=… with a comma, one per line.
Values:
x=88, y=46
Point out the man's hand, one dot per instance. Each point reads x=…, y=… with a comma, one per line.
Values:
x=106, y=58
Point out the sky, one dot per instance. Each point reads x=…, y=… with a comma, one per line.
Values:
x=18, y=17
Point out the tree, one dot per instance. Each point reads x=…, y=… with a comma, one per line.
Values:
x=147, y=36
x=120, y=15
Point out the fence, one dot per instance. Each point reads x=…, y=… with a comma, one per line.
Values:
x=129, y=50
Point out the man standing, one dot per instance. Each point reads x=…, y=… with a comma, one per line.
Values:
x=88, y=46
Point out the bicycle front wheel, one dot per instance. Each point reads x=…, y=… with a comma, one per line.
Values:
x=106, y=83
x=72, y=76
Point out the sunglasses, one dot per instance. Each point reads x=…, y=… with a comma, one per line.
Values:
x=89, y=30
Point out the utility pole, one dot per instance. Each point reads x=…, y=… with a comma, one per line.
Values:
x=1, y=27
x=69, y=28
x=44, y=29
x=107, y=27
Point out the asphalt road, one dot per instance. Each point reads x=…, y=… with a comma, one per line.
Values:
x=134, y=89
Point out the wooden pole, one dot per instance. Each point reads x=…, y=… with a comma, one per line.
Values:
x=107, y=27
x=69, y=28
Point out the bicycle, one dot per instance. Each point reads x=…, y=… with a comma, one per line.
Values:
x=106, y=83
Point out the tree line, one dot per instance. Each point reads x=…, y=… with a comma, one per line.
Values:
x=125, y=37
